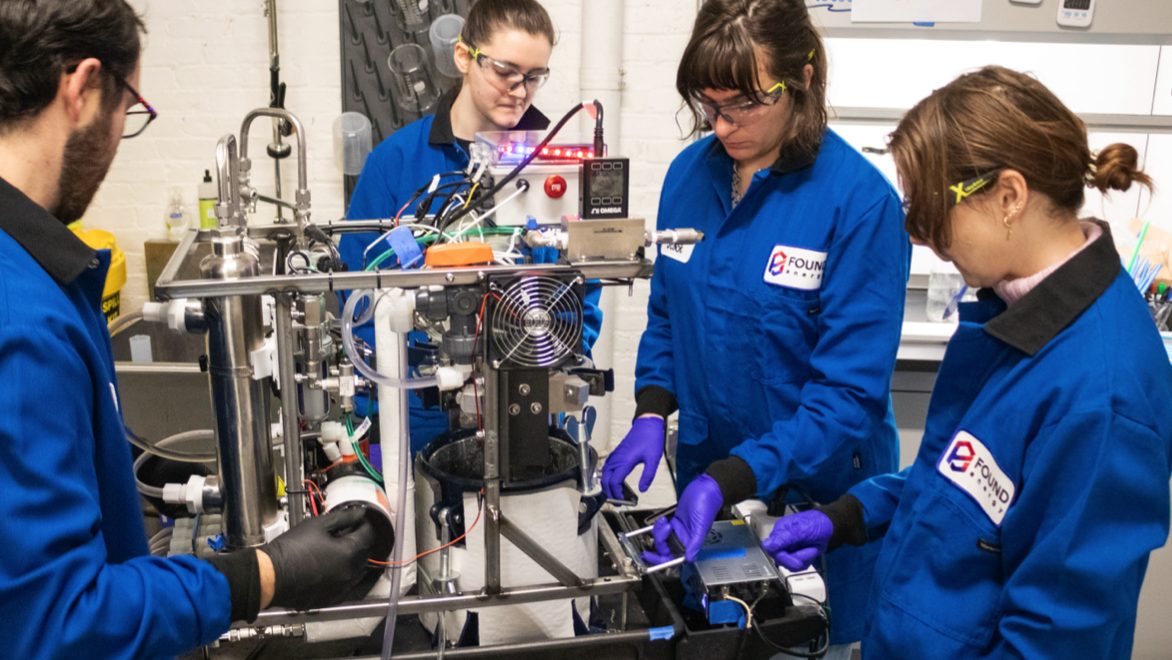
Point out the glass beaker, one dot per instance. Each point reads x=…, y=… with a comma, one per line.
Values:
x=411, y=15
x=352, y=142
x=414, y=90
x=444, y=33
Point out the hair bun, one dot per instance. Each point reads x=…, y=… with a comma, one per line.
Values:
x=1116, y=167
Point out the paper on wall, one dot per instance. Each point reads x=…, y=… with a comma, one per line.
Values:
x=916, y=11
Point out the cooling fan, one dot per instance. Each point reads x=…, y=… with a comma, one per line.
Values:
x=536, y=322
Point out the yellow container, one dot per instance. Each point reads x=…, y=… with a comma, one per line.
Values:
x=116, y=277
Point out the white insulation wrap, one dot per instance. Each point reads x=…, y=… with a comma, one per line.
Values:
x=550, y=517
x=391, y=358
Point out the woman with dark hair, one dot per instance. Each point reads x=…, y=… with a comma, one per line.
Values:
x=776, y=337
x=1024, y=526
x=503, y=57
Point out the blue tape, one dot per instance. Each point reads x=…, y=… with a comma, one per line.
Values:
x=924, y=23
x=662, y=632
x=406, y=249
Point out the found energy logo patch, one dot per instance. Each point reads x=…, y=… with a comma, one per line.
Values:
x=969, y=464
x=796, y=268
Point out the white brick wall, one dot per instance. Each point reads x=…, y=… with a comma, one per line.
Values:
x=206, y=65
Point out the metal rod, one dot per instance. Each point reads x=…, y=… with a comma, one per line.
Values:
x=461, y=601
x=664, y=566
x=294, y=468
x=492, y=482
x=167, y=288
x=526, y=544
x=622, y=563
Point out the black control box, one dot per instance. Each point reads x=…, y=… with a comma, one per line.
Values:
x=606, y=187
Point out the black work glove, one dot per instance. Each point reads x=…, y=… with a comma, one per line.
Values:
x=319, y=561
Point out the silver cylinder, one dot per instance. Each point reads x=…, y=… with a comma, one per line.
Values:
x=240, y=402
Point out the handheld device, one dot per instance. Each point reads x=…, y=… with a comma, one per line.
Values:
x=1075, y=13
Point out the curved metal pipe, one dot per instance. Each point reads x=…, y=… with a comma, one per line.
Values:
x=229, y=209
x=301, y=212
x=298, y=131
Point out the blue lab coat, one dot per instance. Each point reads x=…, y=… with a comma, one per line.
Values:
x=1023, y=528
x=393, y=172
x=776, y=335
x=76, y=579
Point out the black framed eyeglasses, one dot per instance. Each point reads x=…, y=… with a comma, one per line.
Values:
x=138, y=116
x=507, y=73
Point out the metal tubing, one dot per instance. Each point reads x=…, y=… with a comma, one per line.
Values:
x=294, y=468
x=298, y=129
x=171, y=289
x=229, y=207
x=461, y=601
x=241, y=403
x=538, y=554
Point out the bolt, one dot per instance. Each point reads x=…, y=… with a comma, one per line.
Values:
x=450, y=277
x=515, y=409
x=524, y=389
x=535, y=408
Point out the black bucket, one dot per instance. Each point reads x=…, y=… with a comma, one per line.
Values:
x=453, y=464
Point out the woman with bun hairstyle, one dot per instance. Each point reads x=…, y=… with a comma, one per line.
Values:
x=1024, y=526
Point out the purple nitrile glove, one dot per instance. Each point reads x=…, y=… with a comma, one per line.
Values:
x=643, y=444
x=695, y=513
x=798, y=539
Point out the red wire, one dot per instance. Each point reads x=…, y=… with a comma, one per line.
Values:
x=311, y=487
x=476, y=338
x=433, y=550
x=400, y=213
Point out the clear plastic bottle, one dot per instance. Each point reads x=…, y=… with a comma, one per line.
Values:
x=177, y=217
x=945, y=288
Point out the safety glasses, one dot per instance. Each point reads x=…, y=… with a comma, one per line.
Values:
x=961, y=191
x=507, y=75
x=742, y=112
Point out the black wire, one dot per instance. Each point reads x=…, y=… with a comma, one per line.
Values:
x=824, y=638
x=500, y=185
x=424, y=206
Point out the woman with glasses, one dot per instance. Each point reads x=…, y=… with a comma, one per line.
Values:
x=503, y=55
x=1024, y=526
x=775, y=337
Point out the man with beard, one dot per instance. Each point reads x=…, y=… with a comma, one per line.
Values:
x=76, y=579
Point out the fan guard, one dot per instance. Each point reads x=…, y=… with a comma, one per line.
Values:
x=537, y=322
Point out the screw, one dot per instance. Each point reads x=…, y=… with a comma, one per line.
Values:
x=535, y=408
x=515, y=409
x=524, y=389
x=450, y=277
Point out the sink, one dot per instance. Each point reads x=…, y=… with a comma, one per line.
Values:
x=169, y=394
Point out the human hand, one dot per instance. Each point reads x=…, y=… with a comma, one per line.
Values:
x=695, y=513
x=318, y=562
x=642, y=444
x=798, y=539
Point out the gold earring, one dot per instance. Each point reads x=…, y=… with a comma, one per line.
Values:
x=1009, y=226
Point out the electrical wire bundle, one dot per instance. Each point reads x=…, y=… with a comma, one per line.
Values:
x=456, y=216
